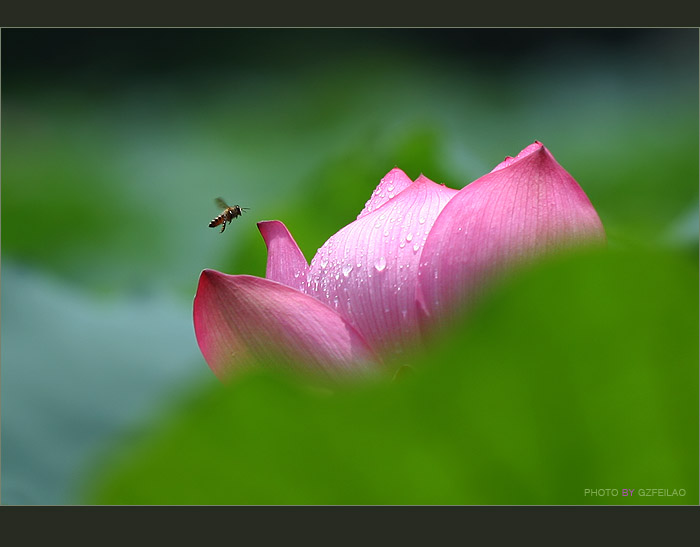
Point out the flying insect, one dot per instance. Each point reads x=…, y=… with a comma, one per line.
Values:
x=227, y=215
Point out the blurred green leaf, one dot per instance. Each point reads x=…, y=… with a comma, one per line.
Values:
x=581, y=373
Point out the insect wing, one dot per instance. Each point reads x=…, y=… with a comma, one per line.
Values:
x=220, y=203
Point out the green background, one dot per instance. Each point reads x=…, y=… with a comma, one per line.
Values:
x=581, y=373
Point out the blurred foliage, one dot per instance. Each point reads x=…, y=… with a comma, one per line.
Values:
x=102, y=172
x=579, y=374
x=115, y=143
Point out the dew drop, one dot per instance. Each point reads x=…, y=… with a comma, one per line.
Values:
x=409, y=236
x=380, y=264
x=347, y=269
x=421, y=220
x=416, y=247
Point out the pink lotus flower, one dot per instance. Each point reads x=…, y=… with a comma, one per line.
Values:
x=416, y=254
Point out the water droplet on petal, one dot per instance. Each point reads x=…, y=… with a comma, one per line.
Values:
x=347, y=269
x=409, y=236
x=421, y=220
x=416, y=247
x=380, y=264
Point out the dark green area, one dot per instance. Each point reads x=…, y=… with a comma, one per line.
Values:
x=579, y=374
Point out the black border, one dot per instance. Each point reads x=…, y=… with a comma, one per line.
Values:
x=443, y=13
x=366, y=525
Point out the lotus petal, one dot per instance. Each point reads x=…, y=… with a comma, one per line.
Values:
x=285, y=262
x=368, y=270
x=526, y=206
x=391, y=185
x=242, y=319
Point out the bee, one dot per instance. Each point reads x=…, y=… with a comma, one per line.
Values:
x=228, y=214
